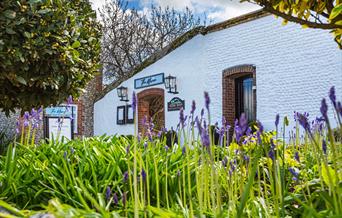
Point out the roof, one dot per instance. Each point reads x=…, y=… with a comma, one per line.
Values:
x=180, y=41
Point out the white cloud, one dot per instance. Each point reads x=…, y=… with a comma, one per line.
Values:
x=216, y=10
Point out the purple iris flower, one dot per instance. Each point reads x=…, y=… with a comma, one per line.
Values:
x=207, y=100
x=181, y=117
x=332, y=96
x=205, y=138
x=134, y=102
x=294, y=173
x=202, y=113
x=125, y=177
x=26, y=119
x=271, y=154
x=193, y=107
x=17, y=129
x=143, y=175
x=225, y=161
x=297, y=156
x=108, y=192
x=303, y=121
x=324, y=147
x=115, y=199
x=166, y=148
x=277, y=121
x=324, y=109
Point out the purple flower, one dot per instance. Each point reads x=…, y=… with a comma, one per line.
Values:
x=297, y=157
x=207, y=100
x=181, y=117
x=145, y=145
x=246, y=158
x=183, y=150
x=198, y=124
x=65, y=155
x=134, y=102
x=166, y=148
x=277, y=120
x=271, y=154
x=70, y=100
x=294, y=173
x=26, y=119
x=303, y=121
x=193, y=107
x=225, y=161
x=17, y=129
x=205, y=138
x=115, y=199
x=178, y=173
x=232, y=166
x=324, y=109
x=332, y=96
x=243, y=122
x=143, y=175
x=202, y=113
x=125, y=177
x=324, y=147
x=72, y=150
x=108, y=192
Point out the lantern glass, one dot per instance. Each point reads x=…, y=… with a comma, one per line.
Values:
x=167, y=82
x=119, y=92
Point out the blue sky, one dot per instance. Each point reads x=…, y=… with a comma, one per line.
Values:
x=216, y=10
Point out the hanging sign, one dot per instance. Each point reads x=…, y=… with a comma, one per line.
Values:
x=66, y=111
x=149, y=81
x=175, y=104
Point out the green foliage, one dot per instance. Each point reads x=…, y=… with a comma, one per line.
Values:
x=309, y=13
x=48, y=51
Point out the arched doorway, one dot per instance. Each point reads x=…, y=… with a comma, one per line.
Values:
x=151, y=105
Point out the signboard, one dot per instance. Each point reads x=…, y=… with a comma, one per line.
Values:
x=175, y=104
x=57, y=128
x=64, y=111
x=149, y=81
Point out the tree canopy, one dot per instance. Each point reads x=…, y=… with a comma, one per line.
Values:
x=49, y=50
x=130, y=36
x=322, y=14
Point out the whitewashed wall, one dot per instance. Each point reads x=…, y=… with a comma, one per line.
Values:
x=295, y=68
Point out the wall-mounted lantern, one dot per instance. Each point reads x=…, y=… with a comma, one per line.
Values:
x=171, y=84
x=123, y=93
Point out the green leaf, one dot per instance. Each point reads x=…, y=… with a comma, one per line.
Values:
x=336, y=11
x=10, y=31
x=21, y=80
x=76, y=44
x=326, y=176
x=44, y=11
x=10, y=14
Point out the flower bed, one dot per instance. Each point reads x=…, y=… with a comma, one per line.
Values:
x=258, y=174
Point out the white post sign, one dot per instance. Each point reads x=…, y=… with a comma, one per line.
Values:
x=59, y=127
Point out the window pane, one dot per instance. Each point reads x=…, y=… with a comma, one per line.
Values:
x=248, y=98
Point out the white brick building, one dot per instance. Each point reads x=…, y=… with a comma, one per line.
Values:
x=283, y=69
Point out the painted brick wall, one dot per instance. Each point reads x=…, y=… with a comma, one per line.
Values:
x=295, y=68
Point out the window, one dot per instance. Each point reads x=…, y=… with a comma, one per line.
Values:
x=244, y=97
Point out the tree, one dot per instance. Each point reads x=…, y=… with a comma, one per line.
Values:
x=131, y=36
x=49, y=49
x=322, y=14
